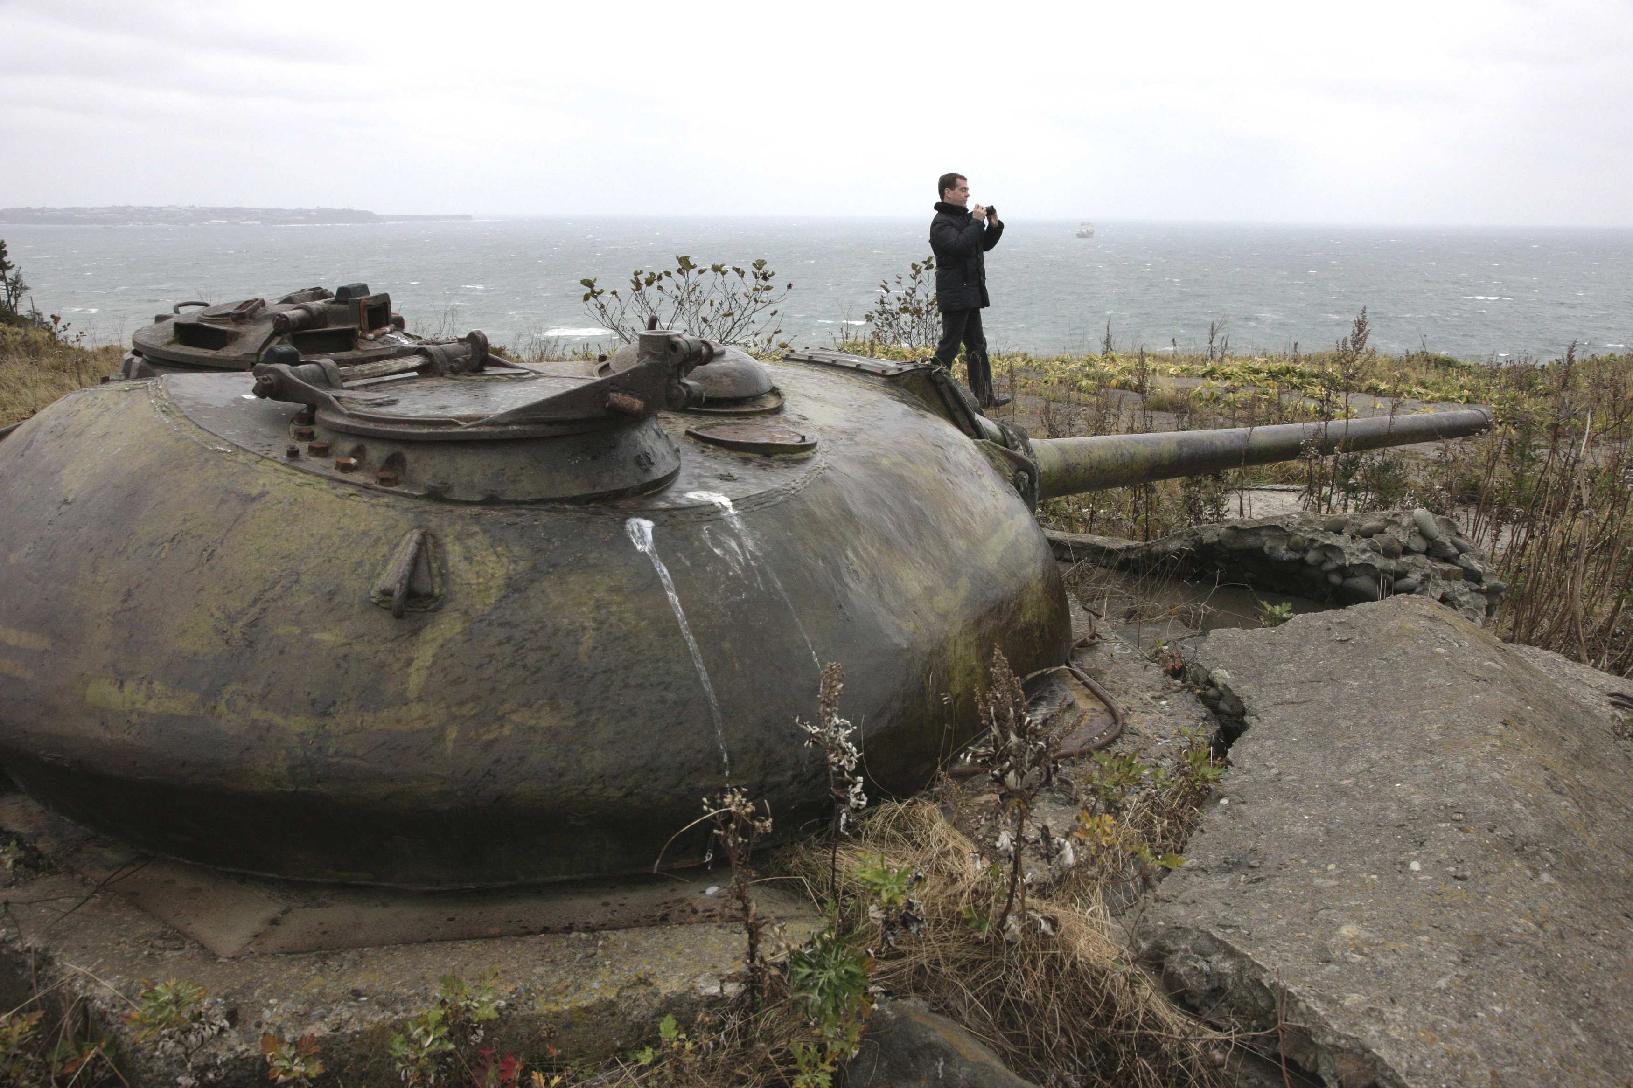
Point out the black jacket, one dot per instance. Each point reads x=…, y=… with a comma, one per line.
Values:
x=959, y=242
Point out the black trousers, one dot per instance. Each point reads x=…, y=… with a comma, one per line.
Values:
x=964, y=326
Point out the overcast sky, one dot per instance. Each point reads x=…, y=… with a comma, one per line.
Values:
x=1433, y=111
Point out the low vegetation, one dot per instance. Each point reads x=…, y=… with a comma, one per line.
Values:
x=40, y=357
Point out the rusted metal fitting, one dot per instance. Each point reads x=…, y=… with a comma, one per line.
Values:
x=319, y=448
x=305, y=434
x=346, y=464
x=303, y=316
x=387, y=477
x=292, y=452
x=625, y=405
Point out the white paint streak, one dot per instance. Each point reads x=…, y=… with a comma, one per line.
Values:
x=640, y=534
x=735, y=520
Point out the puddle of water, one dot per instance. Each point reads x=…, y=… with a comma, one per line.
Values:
x=1151, y=608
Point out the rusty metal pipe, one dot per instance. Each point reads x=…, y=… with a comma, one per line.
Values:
x=1067, y=466
x=303, y=316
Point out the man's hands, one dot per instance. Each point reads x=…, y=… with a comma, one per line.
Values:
x=979, y=212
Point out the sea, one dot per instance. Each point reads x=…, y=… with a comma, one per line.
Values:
x=1499, y=294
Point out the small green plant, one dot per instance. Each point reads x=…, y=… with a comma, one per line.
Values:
x=828, y=980
x=885, y=883
x=444, y=1038
x=1137, y=816
x=887, y=895
x=176, y=1018
x=1114, y=778
x=422, y=1050
x=676, y=1050
x=291, y=1061
x=1274, y=615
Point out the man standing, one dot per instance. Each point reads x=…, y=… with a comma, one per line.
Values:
x=960, y=237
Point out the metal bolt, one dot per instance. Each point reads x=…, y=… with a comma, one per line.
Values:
x=386, y=477
x=346, y=464
x=292, y=452
x=305, y=434
x=319, y=448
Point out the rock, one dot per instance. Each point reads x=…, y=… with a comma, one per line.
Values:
x=1442, y=549
x=1371, y=528
x=1443, y=875
x=1089, y=548
x=1427, y=527
x=1335, y=524
x=1296, y=555
x=1409, y=584
x=1416, y=543
x=907, y=1046
x=1361, y=588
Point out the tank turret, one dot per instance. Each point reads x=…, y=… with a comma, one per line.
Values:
x=440, y=620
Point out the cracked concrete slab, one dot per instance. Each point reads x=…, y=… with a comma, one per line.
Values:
x=350, y=965
x=1418, y=871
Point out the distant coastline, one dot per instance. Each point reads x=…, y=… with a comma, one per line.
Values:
x=188, y=215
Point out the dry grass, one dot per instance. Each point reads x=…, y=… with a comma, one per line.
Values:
x=1549, y=494
x=1062, y=1001
x=36, y=369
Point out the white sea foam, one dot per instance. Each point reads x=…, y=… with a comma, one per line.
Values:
x=474, y=286
x=562, y=330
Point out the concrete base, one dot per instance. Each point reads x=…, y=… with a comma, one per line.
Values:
x=349, y=965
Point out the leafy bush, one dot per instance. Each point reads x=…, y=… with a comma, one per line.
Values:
x=727, y=303
x=905, y=314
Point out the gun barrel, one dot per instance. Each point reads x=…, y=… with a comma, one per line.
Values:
x=1067, y=466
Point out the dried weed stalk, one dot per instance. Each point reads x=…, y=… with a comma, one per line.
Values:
x=1063, y=1002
